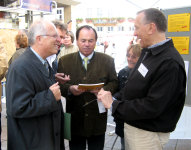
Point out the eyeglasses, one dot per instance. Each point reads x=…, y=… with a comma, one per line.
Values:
x=54, y=36
x=131, y=56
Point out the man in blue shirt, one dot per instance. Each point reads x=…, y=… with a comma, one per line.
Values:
x=154, y=95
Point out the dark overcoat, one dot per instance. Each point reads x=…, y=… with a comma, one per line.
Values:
x=34, y=117
x=87, y=121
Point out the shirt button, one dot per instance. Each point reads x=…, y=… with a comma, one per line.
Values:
x=84, y=78
x=86, y=115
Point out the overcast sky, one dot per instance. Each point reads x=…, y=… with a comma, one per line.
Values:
x=128, y=8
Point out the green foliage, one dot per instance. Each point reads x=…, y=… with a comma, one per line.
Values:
x=102, y=20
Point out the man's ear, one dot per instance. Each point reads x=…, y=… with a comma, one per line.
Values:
x=39, y=39
x=152, y=28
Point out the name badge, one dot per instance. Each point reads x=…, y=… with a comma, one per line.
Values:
x=143, y=70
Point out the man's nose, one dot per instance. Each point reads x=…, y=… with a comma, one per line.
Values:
x=134, y=33
x=58, y=39
x=61, y=40
x=87, y=43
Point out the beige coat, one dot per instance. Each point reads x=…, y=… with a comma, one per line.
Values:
x=3, y=65
x=68, y=50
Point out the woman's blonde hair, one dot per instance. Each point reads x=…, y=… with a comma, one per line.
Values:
x=136, y=49
x=71, y=34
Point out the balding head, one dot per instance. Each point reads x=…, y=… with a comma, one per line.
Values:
x=44, y=38
x=39, y=27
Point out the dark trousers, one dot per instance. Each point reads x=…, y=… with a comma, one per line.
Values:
x=93, y=142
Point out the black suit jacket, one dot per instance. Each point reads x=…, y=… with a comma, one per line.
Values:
x=34, y=116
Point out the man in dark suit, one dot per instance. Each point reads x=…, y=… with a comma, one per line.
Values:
x=53, y=60
x=34, y=110
x=88, y=124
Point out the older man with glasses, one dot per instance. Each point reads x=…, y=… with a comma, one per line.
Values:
x=34, y=110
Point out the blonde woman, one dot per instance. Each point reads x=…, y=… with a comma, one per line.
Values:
x=69, y=47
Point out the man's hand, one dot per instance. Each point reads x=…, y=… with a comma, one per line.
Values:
x=105, y=97
x=75, y=91
x=62, y=78
x=95, y=91
x=55, y=88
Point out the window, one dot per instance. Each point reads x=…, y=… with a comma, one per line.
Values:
x=99, y=28
x=6, y=2
x=120, y=28
x=59, y=11
x=131, y=28
x=110, y=28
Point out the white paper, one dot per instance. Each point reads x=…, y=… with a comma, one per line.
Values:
x=186, y=68
x=101, y=107
x=143, y=70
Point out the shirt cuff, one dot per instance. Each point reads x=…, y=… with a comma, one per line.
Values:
x=114, y=99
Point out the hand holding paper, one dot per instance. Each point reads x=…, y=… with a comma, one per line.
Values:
x=105, y=97
x=75, y=90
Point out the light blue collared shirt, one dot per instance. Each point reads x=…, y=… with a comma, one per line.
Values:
x=160, y=43
x=38, y=56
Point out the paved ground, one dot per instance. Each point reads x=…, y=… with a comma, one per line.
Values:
x=110, y=136
x=173, y=144
x=4, y=128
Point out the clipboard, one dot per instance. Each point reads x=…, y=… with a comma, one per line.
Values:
x=90, y=86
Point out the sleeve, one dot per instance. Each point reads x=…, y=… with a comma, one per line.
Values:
x=112, y=83
x=63, y=87
x=26, y=97
x=121, y=83
x=164, y=86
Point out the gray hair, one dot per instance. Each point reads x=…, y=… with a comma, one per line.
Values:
x=39, y=27
x=156, y=16
x=60, y=25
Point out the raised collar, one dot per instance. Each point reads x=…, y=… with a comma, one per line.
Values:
x=159, y=48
